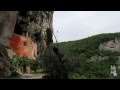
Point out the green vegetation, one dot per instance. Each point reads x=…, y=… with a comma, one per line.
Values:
x=75, y=63
x=53, y=66
x=78, y=52
x=88, y=45
x=19, y=62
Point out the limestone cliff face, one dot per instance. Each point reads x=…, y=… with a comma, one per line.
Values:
x=112, y=45
x=7, y=24
x=38, y=24
x=5, y=64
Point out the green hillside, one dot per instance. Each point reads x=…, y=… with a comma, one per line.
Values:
x=80, y=51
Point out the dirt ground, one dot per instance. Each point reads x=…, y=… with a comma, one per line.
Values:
x=31, y=76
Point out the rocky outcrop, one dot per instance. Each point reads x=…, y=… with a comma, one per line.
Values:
x=5, y=63
x=7, y=25
x=37, y=23
x=97, y=58
x=39, y=26
x=112, y=45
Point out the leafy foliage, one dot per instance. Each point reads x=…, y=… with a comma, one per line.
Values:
x=78, y=52
x=19, y=62
x=53, y=66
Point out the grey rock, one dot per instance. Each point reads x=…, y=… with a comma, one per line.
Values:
x=39, y=25
x=112, y=45
x=5, y=62
x=97, y=58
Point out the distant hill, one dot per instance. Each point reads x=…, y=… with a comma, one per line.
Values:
x=92, y=57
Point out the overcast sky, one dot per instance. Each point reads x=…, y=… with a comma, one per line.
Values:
x=75, y=25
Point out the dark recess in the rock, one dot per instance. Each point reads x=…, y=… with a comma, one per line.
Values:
x=34, y=22
x=38, y=24
x=49, y=36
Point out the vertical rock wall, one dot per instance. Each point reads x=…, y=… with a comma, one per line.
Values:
x=36, y=23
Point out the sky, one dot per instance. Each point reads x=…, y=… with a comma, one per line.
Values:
x=76, y=25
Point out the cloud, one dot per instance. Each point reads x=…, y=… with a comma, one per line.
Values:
x=72, y=25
